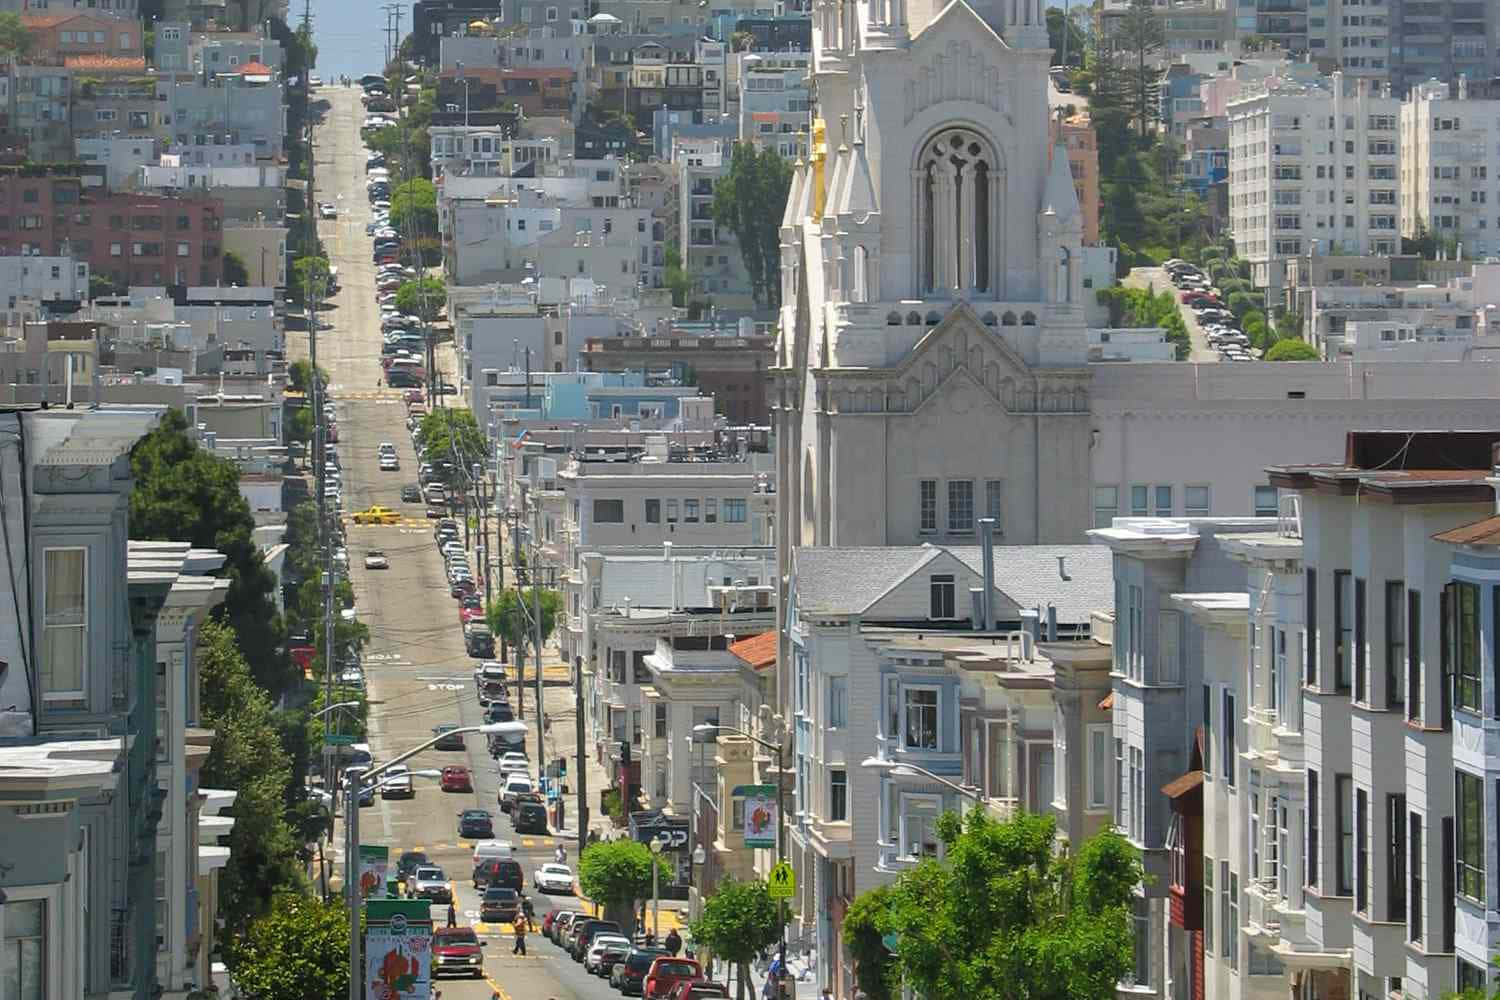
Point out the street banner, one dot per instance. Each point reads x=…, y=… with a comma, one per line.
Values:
x=398, y=949
x=374, y=862
x=761, y=805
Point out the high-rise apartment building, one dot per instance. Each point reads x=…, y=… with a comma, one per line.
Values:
x=1312, y=168
x=1450, y=165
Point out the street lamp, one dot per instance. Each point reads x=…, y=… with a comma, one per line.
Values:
x=897, y=769
x=341, y=704
x=779, y=749
x=656, y=847
x=374, y=778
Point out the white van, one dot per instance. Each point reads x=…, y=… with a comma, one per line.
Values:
x=489, y=850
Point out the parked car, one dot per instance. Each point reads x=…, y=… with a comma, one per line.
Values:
x=456, y=778
x=666, y=972
x=430, y=883
x=529, y=816
x=606, y=950
x=559, y=927
x=457, y=951
x=499, y=905
x=476, y=824
x=584, y=934
x=629, y=976
x=553, y=877
x=515, y=783
x=497, y=709
x=478, y=642
x=705, y=990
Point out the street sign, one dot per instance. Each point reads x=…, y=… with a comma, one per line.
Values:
x=672, y=838
x=782, y=883
x=340, y=740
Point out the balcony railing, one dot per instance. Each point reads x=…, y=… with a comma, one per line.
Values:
x=1289, y=517
x=119, y=945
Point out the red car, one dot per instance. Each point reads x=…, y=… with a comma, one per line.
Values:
x=467, y=614
x=456, y=778
x=457, y=951
x=666, y=972
x=687, y=990
x=415, y=396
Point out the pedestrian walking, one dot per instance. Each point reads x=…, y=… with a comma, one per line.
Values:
x=452, y=916
x=673, y=943
x=520, y=946
x=528, y=910
x=561, y=854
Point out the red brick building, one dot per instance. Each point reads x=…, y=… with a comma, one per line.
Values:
x=133, y=239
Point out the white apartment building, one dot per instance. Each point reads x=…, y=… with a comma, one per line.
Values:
x=774, y=101
x=710, y=255
x=1450, y=166
x=1312, y=165
x=711, y=57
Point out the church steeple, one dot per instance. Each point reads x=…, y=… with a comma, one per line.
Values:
x=1022, y=23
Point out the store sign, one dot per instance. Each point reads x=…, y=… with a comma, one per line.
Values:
x=398, y=949
x=374, y=862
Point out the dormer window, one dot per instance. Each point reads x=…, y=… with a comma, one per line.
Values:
x=943, y=592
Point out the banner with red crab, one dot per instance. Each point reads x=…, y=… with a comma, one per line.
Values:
x=398, y=949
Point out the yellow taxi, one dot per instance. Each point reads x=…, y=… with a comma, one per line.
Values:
x=377, y=515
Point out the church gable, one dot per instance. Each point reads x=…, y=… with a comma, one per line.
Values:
x=960, y=344
x=958, y=57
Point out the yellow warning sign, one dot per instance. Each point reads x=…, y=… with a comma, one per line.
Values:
x=782, y=883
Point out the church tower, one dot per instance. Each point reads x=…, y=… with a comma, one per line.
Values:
x=931, y=358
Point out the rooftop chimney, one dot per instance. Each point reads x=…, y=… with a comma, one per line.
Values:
x=987, y=542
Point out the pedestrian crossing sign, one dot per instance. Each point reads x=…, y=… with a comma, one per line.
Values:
x=782, y=883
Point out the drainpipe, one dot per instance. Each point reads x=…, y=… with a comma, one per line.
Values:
x=987, y=599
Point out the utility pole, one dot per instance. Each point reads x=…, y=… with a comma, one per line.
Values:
x=536, y=621
x=580, y=767
x=520, y=648
x=484, y=531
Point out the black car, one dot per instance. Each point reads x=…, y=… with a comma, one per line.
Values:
x=476, y=823
x=529, y=817
x=498, y=709
x=447, y=740
x=499, y=905
x=479, y=645
x=411, y=493
x=408, y=863
x=629, y=975
x=499, y=871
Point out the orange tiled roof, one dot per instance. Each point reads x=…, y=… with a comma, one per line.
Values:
x=251, y=68
x=126, y=63
x=44, y=21
x=758, y=651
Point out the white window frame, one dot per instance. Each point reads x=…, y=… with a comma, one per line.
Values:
x=937, y=728
x=51, y=896
x=838, y=701
x=1099, y=778
x=921, y=801
x=83, y=676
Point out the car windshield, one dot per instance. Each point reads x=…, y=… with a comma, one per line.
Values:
x=425, y=874
x=611, y=941
x=494, y=893
x=476, y=814
x=556, y=870
x=455, y=935
x=413, y=858
x=641, y=960
x=675, y=969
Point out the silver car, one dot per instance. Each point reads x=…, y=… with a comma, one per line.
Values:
x=432, y=884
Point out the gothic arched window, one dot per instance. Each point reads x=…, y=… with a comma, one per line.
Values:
x=956, y=204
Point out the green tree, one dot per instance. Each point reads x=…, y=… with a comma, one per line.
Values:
x=15, y=38
x=354, y=720
x=739, y=920
x=749, y=200
x=1057, y=21
x=1140, y=35
x=865, y=930
x=309, y=271
x=247, y=756
x=1292, y=350
x=414, y=207
x=235, y=272
x=615, y=874
x=299, y=425
x=185, y=494
x=297, y=951
x=299, y=375
x=421, y=297
x=512, y=623
x=677, y=279
x=1003, y=915
x=454, y=435
x=101, y=286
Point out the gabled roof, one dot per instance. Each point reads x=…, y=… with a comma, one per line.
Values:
x=1075, y=579
x=123, y=63
x=967, y=20
x=1486, y=532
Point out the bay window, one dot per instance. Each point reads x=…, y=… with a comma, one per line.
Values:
x=64, y=623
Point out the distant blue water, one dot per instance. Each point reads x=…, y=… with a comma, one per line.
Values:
x=350, y=35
